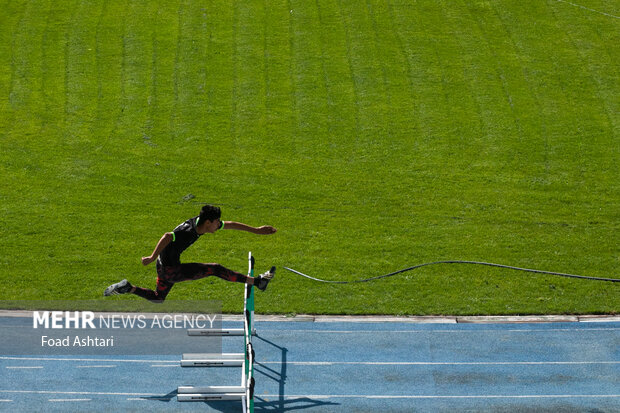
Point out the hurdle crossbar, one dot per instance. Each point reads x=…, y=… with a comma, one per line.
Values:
x=212, y=332
x=205, y=393
x=212, y=360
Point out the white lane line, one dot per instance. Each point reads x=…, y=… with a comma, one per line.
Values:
x=335, y=396
x=69, y=400
x=80, y=393
x=166, y=365
x=486, y=331
x=436, y=363
x=86, y=359
x=482, y=396
x=97, y=367
x=5, y=401
x=24, y=367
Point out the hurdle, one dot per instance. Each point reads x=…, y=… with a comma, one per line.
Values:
x=245, y=360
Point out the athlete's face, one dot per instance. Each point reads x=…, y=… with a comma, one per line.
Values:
x=213, y=226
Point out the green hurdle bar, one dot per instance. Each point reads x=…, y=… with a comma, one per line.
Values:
x=244, y=392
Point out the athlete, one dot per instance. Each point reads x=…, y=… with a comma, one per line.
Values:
x=168, y=251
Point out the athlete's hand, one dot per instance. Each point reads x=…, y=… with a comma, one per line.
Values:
x=147, y=260
x=266, y=230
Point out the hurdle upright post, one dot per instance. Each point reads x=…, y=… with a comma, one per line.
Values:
x=248, y=312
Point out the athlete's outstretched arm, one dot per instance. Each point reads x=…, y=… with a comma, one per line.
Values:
x=264, y=230
x=163, y=243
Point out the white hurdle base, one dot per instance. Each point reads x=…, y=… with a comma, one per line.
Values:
x=212, y=360
x=205, y=393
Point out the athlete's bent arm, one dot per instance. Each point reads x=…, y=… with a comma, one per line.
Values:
x=264, y=230
x=163, y=243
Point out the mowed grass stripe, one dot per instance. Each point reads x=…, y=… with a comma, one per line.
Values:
x=191, y=73
x=368, y=79
x=565, y=110
x=279, y=116
x=16, y=73
x=496, y=76
x=309, y=80
x=406, y=111
x=586, y=105
x=311, y=144
x=17, y=160
x=234, y=74
x=136, y=77
x=374, y=141
x=108, y=55
x=249, y=96
x=342, y=117
x=597, y=49
x=25, y=89
x=522, y=70
x=354, y=139
x=562, y=70
x=162, y=104
x=462, y=140
x=433, y=144
x=456, y=94
x=425, y=80
x=81, y=97
x=400, y=102
x=463, y=123
x=9, y=21
x=588, y=53
x=537, y=43
x=77, y=162
x=516, y=116
x=112, y=44
x=220, y=55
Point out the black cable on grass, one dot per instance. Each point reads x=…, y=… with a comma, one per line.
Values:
x=456, y=262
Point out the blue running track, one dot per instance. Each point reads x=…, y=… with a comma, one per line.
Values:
x=343, y=366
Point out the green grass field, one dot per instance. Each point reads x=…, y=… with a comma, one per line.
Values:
x=374, y=135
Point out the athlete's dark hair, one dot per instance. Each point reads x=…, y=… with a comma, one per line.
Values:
x=209, y=213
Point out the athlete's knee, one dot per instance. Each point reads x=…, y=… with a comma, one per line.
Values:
x=219, y=269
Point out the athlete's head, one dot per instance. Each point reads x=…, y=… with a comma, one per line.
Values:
x=209, y=219
x=210, y=213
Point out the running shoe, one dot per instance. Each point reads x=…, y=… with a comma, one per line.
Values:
x=122, y=287
x=262, y=280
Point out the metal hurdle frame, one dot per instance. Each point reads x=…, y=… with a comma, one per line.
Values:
x=245, y=360
x=247, y=378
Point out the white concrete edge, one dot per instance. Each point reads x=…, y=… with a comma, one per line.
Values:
x=586, y=318
x=442, y=319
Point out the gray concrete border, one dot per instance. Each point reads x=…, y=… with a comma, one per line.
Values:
x=586, y=318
